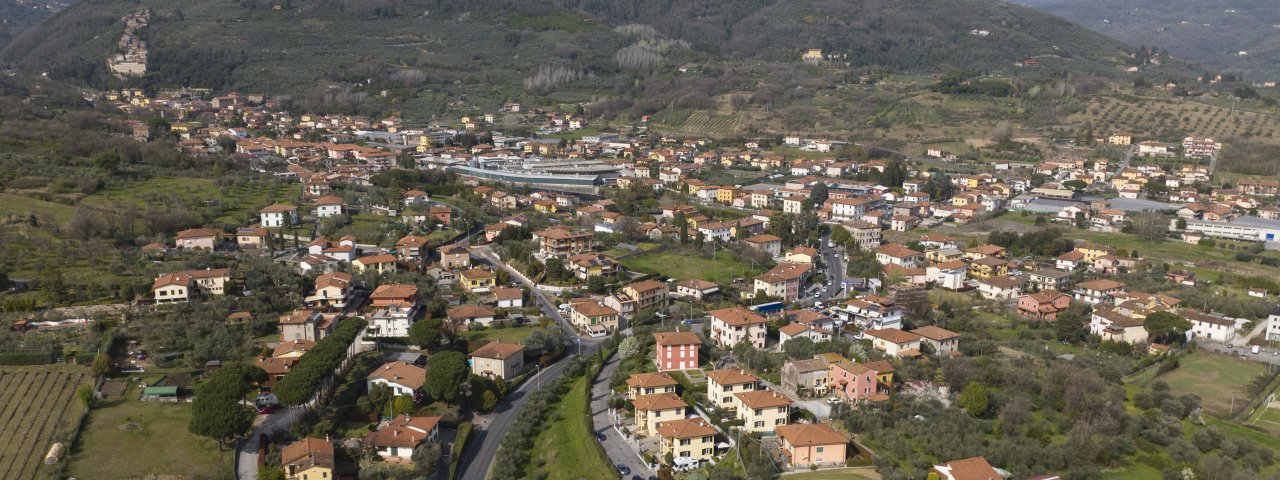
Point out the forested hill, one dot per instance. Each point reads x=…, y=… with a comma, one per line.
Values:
x=1211, y=32
x=504, y=48
x=17, y=15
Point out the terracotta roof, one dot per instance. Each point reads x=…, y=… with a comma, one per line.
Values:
x=174, y=278
x=975, y=468
x=403, y=431
x=498, y=350
x=376, y=259
x=685, y=428
x=893, y=335
x=809, y=365
x=935, y=333
x=478, y=273
x=763, y=238
x=1100, y=284
x=732, y=376
x=879, y=366
x=986, y=250
x=896, y=250
x=308, y=453
x=276, y=366
x=645, y=286
x=456, y=249
x=593, y=309
x=1072, y=256
x=333, y=279
x=291, y=346
x=278, y=208
x=793, y=329
x=677, y=338
x=647, y=380
x=659, y=401
x=785, y=271
x=393, y=291
x=812, y=252
x=412, y=241
x=508, y=293
x=810, y=434
x=737, y=316
x=1046, y=296
x=561, y=233
x=990, y=261
x=470, y=311
x=208, y=273
x=198, y=232
x=297, y=317
x=401, y=373
x=329, y=200
x=763, y=399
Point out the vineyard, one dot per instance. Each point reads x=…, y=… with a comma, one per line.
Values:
x=37, y=409
x=698, y=123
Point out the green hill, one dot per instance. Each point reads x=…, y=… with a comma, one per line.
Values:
x=1210, y=32
x=17, y=15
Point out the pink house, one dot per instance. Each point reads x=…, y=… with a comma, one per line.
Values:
x=852, y=381
x=676, y=350
x=1043, y=305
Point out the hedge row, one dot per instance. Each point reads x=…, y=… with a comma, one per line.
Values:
x=297, y=387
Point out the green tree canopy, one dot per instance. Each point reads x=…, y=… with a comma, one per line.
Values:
x=446, y=371
x=1167, y=327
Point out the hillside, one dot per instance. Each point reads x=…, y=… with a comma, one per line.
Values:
x=494, y=44
x=1210, y=32
x=17, y=15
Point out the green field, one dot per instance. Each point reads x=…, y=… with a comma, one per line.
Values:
x=682, y=266
x=569, y=452
x=39, y=409
x=1217, y=379
x=509, y=335
x=235, y=204
x=1134, y=472
x=19, y=205
x=857, y=473
x=127, y=438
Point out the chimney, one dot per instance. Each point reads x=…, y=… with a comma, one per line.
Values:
x=395, y=432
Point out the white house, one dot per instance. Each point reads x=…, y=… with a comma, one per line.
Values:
x=328, y=207
x=278, y=215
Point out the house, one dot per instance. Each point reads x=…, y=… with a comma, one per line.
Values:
x=292, y=348
x=455, y=257
x=401, y=436
x=1098, y=291
x=943, y=342
x=871, y=312
x=1043, y=305
x=1049, y=279
x=413, y=250
x=396, y=307
x=182, y=286
x=801, y=255
x=498, y=359
x=402, y=378
x=416, y=197
x=852, y=381
x=949, y=275
x=477, y=280
x=248, y=238
x=331, y=291
x=894, y=342
x=381, y=263
x=687, y=438
x=278, y=215
x=801, y=330
x=442, y=214
x=730, y=326
x=1114, y=325
x=900, y=255
x=975, y=468
x=723, y=384
x=466, y=316
x=1210, y=327
x=197, y=238
x=762, y=410
x=562, y=241
x=592, y=264
x=647, y=294
x=276, y=368
x=812, y=444
x=805, y=376
x=591, y=316
x=329, y=206
x=305, y=325
x=987, y=267
x=771, y=244
x=984, y=251
x=308, y=459
x=696, y=289
x=651, y=410
x=784, y=281
x=508, y=297
x=999, y=288
x=650, y=383
x=676, y=350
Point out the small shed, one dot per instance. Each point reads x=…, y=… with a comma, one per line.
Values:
x=160, y=394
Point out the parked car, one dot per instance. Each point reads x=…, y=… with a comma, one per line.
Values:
x=266, y=410
x=623, y=469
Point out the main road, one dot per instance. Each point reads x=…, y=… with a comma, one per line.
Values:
x=477, y=458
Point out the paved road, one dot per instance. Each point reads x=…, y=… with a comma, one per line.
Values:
x=619, y=449
x=482, y=448
x=818, y=407
x=835, y=268
x=247, y=454
x=1265, y=355
x=1242, y=340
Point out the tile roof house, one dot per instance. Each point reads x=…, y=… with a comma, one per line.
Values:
x=723, y=384
x=498, y=359
x=652, y=410
x=308, y=459
x=650, y=383
x=975, y=468
x=731, y=326
x=401, y=377
x=894, y=342
x=812, y=444
x=676, y=350
x=397, y=440
x=687, y=438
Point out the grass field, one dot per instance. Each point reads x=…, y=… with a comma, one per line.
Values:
x=233, y=204
x=125, y=437
x=569, y=452
x=1133, y=472
x=857, y=473
x=11, y=204
x=39, y=409
x=511, y=335
x=681, y=266
x=1217, y=379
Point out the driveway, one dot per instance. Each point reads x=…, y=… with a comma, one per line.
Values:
x=247, y=453
x=816, y=406
x=619, y=449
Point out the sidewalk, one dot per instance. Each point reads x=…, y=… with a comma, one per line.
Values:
x=620, y=450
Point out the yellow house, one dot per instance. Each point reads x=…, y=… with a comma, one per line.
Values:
x=726, y=195
x=545, y=206
x=381, y=263
x=308, y=459
x=988, y=267
x=652, y=410
x=478, y=280
x=592, y=317
x=640, y=384
x=723, y=384
x=762, y=410
x=883, y=369
x=690, y=437
x=1122, y=138
x=1093, y=251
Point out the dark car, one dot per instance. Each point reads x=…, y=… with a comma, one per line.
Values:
x=623, y=469
x=599, y=437
x=636, y=477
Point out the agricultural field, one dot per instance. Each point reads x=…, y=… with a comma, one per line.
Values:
x=125, y=437
x=1172, y=118
x=698, y=123
x=1219, y=380
x=235, y=203
x=39, y=409
x=564, y=445
x=722, y=270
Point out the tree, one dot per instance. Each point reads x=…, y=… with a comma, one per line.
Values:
x=1077, y=185
x=801, y=347
x=1182, y=223
x=216, y=411
x=974, y=398
x=102, y=365
x=1150, y=226
x=271, y=473
x=446, y=371
x=683, y=224
x=426, y=333
x=1167, y=327
x=1069, y=325
x=426, y=459
x=630, y=347
x=595, y=284
x=488, y=401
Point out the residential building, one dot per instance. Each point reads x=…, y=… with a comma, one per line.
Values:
x=509, y=297
x=894, y=342
x=852, y=381
x=900, y=255
x=401, y=377
x=949, y=275
x=498, y=359
x=812, y=444
x=331, y=291
x=801, y=330
x=590, y=317
x=182, y=286
x=477, y=280
x=722, y=385
x=943, y=342
x=730, y=326
x=396, y=307
x=687, y=438
x=465, y=317
x=413, y=250
x=696, y=289
x=999, y=288
x=328, y=206
x=561, y=241
x=762, y=410
x=676, y=350
x=305, y=325
x=987, y=267
x=650, y=383
x=308, y=459
x=975, y=468
x=249, y=238
x=592, y=264
x=807, y=376
x=784, y=281
x=455, y=257
x=1043, y=305
x=1210, y=327
x=197, y=238
x=1114, y=325
x=1098, y=291
x=871, y=312
x=1049, y=279
x=278, y=215
x=380, y=263
x=651, y=410
x=770, y=244
x=647, y=294
x=401, y=436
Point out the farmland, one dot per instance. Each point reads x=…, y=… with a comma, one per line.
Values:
x=701, y=123
x=675, y=265
x=39, y=409
x=1219, y=380
x=1171, y=118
